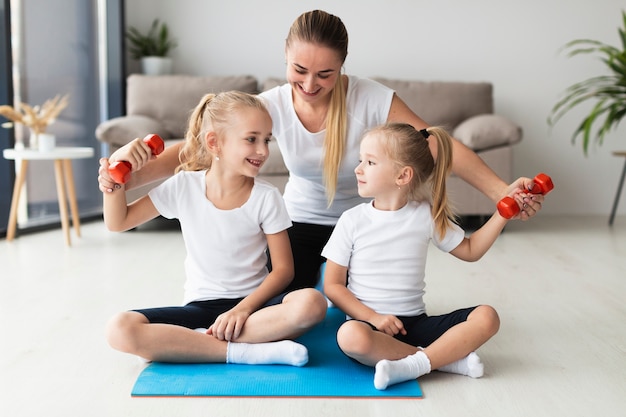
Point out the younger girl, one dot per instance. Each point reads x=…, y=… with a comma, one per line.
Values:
x=228, y=221
x=376, y=260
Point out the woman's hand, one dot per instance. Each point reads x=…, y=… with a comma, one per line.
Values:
x=529, y=204
x=388, y=324
x=228, y=325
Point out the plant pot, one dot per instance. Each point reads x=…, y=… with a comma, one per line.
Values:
x=43, y=142
x=156, y=65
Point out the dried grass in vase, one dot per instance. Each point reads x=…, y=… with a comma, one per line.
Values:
x=37, y=118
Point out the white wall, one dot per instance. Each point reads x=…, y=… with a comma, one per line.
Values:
x=513, y=44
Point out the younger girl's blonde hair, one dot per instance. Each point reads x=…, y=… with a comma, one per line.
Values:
x=212, y=114
x=321, y=28
x=408, y=147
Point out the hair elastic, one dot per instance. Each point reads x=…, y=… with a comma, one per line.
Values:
x=425, y=133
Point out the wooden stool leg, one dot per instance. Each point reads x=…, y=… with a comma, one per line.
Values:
x=65, y=224
x=71, y=193
x=617, y=196
x=17, y=190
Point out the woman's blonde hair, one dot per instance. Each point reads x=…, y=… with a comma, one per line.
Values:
x=408, y=147
x=212, y=114
x=321, y=28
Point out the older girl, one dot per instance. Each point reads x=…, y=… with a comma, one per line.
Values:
x=228, y=220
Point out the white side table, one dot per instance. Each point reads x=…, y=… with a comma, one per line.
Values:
x=62, y=157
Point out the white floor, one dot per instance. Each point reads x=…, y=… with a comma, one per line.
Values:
x=559, y=285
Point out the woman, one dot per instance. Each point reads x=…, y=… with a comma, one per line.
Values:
x=319, y=118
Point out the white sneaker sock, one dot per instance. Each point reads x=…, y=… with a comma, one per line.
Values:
x=284, y=352
x=470, y=366
x=393, y=372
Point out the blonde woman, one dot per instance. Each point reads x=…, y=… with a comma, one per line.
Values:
x=320, y=116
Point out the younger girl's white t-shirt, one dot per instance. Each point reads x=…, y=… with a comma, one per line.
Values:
x=385, y=253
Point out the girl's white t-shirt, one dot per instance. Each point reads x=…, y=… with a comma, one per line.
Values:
x=385, y=253
x=226, y=249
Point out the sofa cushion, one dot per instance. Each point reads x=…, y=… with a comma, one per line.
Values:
x=145, y=95
x=120, y=130
x=443, y=103
x=272, y=82
x=487, y=131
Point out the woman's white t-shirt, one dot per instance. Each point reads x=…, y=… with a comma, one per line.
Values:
x=368, y=104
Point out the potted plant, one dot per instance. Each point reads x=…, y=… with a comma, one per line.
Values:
x=607, y=91
x=152, y=48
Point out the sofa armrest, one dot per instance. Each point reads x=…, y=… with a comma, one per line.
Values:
x=121, y=130
x=487, y=131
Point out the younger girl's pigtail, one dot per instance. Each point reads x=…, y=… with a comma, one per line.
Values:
x=442, y=211
x=194, y=155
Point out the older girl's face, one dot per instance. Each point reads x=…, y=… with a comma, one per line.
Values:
x=244, y=147
x=312, y=70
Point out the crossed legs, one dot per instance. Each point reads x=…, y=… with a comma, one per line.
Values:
x=131, y=332
x=397, y=361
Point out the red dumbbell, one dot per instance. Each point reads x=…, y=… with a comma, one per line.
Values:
x=120, y=170
x=508, y=208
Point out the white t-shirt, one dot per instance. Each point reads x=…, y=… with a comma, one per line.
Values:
x=226, y=255
x=368, y=104
x=385, y=253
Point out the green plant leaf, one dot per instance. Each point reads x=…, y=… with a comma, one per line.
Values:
x=607, y=91
x=156, y=42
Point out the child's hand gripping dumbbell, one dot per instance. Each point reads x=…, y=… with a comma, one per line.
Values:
x=508, y=208
x=120, y=170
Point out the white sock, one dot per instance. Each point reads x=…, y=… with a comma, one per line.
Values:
x=284, y=352
x=469, y=365
x=393, y=372
x=143, y=360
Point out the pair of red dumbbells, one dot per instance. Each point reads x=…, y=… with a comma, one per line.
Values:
x=120, y=171
x=508, y=207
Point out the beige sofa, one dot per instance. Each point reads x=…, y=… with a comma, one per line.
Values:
x=162, y=104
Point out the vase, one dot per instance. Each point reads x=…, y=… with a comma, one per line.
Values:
x=156, y=65
x=44, y=142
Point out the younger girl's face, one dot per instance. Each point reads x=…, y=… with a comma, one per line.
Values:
x=244, y=147
x=376, y=173
x=312, y=70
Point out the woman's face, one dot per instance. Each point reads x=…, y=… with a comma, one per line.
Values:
x=312, y=70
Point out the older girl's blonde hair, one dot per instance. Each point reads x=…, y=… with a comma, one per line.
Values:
x=321, y=28
x=408, y=147
x=212, y=114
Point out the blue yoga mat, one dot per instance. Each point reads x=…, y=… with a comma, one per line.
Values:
x=329, y=373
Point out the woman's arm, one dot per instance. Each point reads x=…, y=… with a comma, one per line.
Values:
x=228, y=326
x=146, y=167
x=469, y=166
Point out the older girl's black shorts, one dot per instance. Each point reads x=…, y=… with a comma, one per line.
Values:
x=197, y=314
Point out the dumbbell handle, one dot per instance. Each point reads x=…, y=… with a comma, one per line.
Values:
x=120, y=170
x=508, y=208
